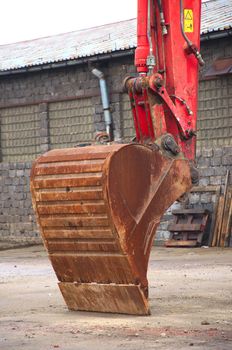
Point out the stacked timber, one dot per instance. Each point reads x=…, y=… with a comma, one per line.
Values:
x=223, y=223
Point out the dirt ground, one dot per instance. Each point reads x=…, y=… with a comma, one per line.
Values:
x=190, y=297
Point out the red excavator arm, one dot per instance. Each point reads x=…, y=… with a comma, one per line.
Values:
x=164, y=96
x=99, y=206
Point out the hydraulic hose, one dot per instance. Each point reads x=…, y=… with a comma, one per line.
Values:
x=150, y=58
x=162, y=20
x=192, y=47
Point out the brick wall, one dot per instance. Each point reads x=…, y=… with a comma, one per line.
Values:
x=17, y=220
x=213, y=164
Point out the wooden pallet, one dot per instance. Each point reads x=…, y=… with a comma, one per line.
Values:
x=216, y=190
x=187, y=228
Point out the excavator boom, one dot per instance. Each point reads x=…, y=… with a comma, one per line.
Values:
x=167, y=59
x=99, y=206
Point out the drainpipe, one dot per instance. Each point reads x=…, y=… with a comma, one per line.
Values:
x=105, y=100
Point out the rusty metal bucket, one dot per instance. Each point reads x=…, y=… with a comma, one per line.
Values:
x=98, y=208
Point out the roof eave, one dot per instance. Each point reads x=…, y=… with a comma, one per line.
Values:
x=219, y=34
x=68, y=62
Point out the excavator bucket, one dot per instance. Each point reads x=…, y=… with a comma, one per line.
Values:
x=98, y=208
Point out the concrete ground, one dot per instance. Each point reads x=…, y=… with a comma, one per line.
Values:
x=190, y=297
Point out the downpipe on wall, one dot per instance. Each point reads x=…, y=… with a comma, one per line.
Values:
x=105, y=101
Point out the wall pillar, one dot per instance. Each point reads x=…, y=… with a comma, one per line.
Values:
x=44, y=127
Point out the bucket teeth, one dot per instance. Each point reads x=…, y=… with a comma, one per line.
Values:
x=98, y=208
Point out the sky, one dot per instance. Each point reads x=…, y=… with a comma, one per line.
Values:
x=30, y=19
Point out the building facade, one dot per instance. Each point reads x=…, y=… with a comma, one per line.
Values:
x=57, y=104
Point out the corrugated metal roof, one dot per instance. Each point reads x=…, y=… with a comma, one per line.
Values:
x=216, y=15
x=82, y=43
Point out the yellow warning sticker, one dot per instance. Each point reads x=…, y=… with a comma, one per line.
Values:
x=188, y=21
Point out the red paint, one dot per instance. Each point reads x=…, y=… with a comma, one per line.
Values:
x=142, y=50
x=180, y=76
x=142, y=116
